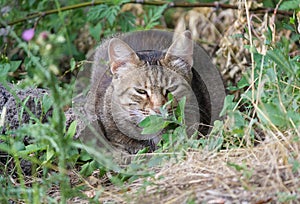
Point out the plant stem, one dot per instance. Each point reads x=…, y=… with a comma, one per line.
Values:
x=153, y=3
x=247, y=136
x=65, y=30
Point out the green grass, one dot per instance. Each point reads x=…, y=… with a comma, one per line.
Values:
x=269, y=101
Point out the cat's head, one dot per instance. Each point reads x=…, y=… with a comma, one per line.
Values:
x=141, y=87
x=178, y=57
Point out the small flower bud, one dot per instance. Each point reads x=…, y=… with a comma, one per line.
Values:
x=28, y=34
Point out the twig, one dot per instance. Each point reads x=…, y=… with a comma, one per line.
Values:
x=216, y=5
x=251, y=48
x=273, y=21
x=45, y=13
x=252, y=67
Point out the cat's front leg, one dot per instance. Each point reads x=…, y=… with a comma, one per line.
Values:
x=136, y=145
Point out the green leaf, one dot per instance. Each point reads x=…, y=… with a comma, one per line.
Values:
x=167, y=140
x=88, y=168
x=214, y=143
x=153, y=124
x=274, y=114
x=117, y=180
x=228, y=104
x=243, y=82
x=236, y=166
x=155, y=161
x=49, y=154
x=238, y=36
x=295, y=163
x=217, y=128
x=14, y=65
x=289, y=5
x=295, y=117
x=127, y=21
x=46, y=103
x=95, y=31
x=4, y=69
x=170, y=97
x=143, y=151
x=33, y=148
x=239, y=120
x=72, y=129
x=111, y=14
x=7, y=67
x=72, y=64
x=95, y=13
x=292, y=21
x=18, y=145
x=180, y=110
x=280, y=59
x=155, y=127
x=85, y=156
x=153, y=16
x=146, y=121
x=104, y=11
x=5, y=147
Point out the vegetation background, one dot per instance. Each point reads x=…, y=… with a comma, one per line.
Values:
x=252, y=156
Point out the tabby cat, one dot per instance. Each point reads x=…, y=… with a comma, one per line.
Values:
x=140, y=85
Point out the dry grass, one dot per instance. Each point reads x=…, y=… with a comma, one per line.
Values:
x=263, y=174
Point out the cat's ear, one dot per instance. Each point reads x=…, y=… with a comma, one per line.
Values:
x=180, y=27
x=120, y=54
x=181, y=50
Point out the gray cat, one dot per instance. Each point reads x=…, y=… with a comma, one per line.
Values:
x=136, y=85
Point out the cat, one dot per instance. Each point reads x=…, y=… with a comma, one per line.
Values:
x=140, y=84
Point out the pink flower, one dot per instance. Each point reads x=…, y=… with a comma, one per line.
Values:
x=28, y=34
x=44, y=35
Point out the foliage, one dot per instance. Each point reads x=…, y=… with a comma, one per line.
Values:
x=173, y=124
x=286, y=5
x=270, y=99
x=111, y=18
x=50, y=141
x=273, y=100
x=153, y=16
x=41, y=62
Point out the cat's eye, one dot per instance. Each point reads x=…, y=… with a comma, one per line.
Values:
x=171, y=89
x=141, y=91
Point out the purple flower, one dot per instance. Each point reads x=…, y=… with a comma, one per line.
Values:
x=44, y=35
x=28, y=34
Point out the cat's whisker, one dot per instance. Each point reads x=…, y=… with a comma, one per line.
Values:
x=133, y=117
x=194, y=108
x=143, y=111
x=129, y=104
x=191, y=105
x=191, y=109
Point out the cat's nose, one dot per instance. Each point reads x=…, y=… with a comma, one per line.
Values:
x=156, y=107
x=157, y=110
x=157, y=101
x=153, y=111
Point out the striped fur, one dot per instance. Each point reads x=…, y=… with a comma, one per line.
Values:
x=140, y=85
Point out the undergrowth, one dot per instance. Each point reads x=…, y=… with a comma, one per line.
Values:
x=269, y=102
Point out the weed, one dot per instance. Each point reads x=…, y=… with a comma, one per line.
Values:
x=267, y=107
